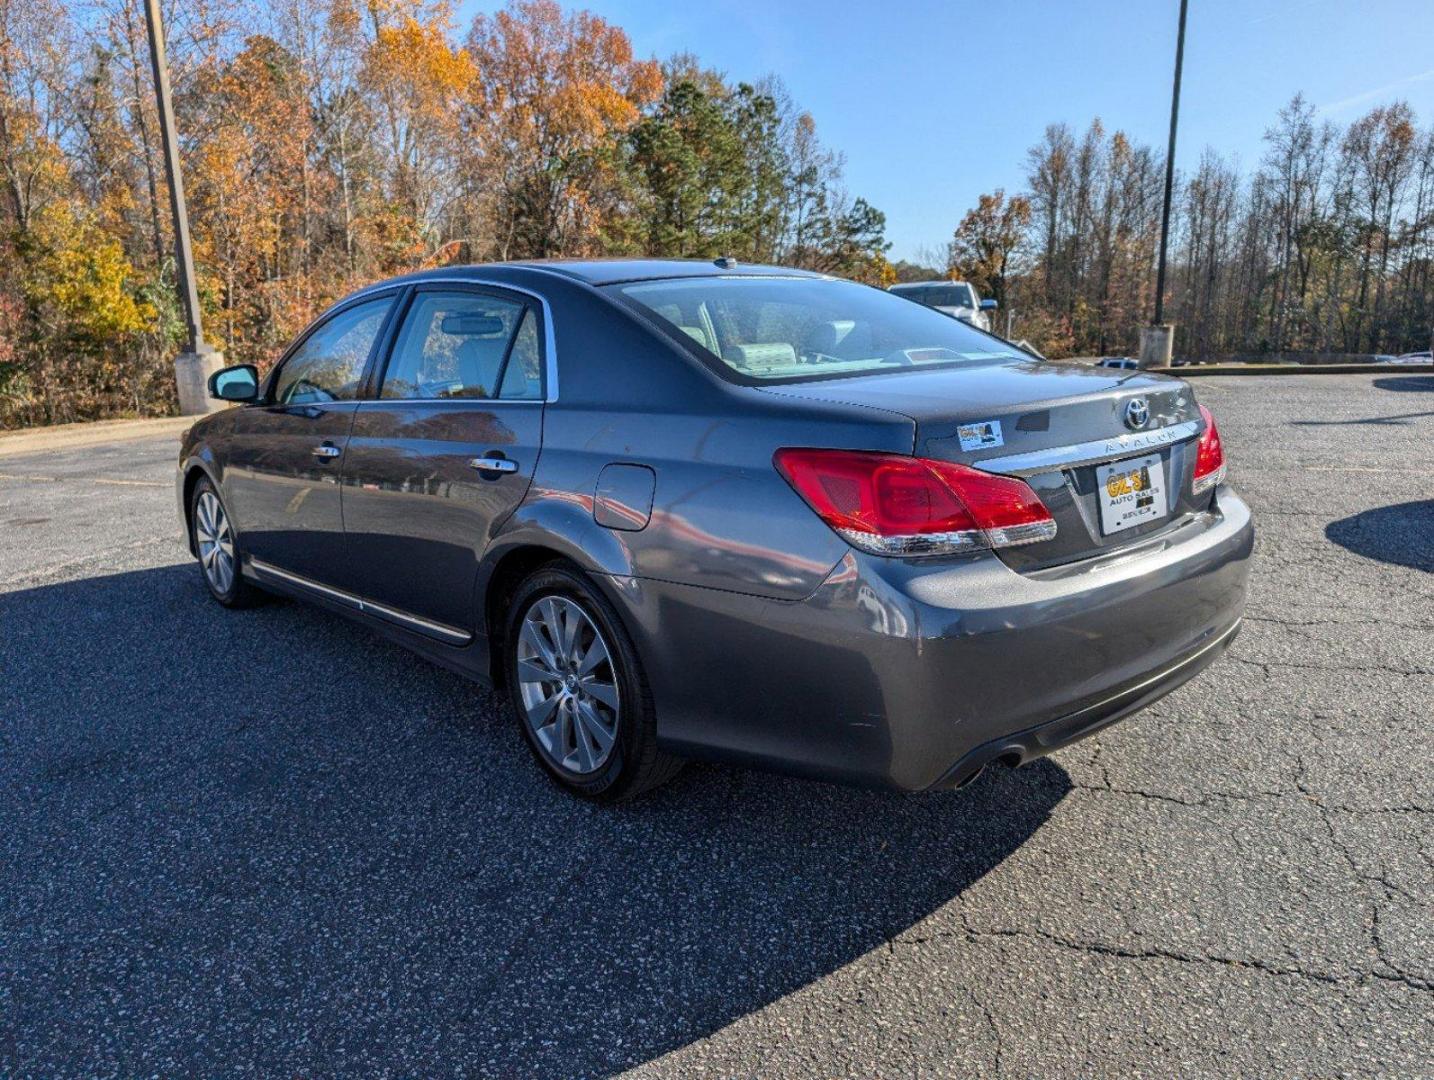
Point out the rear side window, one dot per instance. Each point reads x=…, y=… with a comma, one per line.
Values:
x=763, y=329
x=329, y=365
x=523, y=377
x=458, y=344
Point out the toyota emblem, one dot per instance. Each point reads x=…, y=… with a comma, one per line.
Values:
x=1137, y=413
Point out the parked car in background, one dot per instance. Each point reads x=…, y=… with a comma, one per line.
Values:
x=678, y=509
x=958, y=299
x=1125, y=363
x=1409, y=358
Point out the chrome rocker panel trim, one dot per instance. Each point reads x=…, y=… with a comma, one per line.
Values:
x=448, y=634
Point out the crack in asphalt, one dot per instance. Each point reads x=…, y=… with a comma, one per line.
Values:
x=1096, y=948
x=1291, y=624
x=1362, y=669
x=1156, y=953
x=1303, y=793
x=1212, y=798
x=998, y=1044
x=1395, y=973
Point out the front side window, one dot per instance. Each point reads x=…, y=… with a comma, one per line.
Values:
x=456, y=345
x=329, y=365
x=761, y=329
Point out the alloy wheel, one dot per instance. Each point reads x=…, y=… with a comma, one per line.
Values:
x=215, y=541
x=568, y=684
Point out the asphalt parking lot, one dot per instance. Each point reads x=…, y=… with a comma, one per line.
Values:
x=268, y=842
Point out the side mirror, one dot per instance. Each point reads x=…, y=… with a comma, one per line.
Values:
x=237, y=383
x=989, y=305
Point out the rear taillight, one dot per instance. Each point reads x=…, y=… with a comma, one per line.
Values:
x=1210, y=457
x=889, y=504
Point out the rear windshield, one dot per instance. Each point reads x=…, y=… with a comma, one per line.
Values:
x=939, y=295
x=765, y=329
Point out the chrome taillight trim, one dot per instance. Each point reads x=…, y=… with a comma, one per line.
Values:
x=919, y=545
x=1204, y=483
x=1032, y=532
x=915, y=544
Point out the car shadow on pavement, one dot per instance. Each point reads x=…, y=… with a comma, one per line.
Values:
x=1406, y=383
x=270, y=841
x=1401, y=534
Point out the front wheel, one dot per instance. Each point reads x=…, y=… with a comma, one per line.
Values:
x=578, y=689
x=217, y=547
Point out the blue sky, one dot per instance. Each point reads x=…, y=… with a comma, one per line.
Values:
x=934, y=103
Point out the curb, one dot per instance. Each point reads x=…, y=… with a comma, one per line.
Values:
x=1196, y=370
x=95, y=433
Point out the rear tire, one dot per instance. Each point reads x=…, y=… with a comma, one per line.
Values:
x=217, y=545
x=578, y=689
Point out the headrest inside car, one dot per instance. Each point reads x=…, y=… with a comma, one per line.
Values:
x=468, y=324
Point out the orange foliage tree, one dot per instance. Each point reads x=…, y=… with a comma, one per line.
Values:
x=556, y=89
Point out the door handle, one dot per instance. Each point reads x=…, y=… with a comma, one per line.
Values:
x=326, y=450
x=494, y=464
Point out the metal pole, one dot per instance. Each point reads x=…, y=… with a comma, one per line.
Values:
x=184, y=257
x=1169, y=170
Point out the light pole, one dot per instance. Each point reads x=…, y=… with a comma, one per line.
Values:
x=1156, y=341
x=193, y=367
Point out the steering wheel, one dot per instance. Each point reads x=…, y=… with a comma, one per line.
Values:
x=303, y=392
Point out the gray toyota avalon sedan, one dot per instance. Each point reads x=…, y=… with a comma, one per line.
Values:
x=701, y=510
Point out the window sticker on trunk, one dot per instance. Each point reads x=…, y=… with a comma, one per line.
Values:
x=980, y=436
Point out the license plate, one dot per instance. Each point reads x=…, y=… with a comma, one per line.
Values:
x=1131, y=493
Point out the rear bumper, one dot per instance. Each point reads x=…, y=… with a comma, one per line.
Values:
x=914, y=674
x=1023, y=746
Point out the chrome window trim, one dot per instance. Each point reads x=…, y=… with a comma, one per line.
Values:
x=449, y=634
x=1089, y=453
x=484, y=401
x=550, y=342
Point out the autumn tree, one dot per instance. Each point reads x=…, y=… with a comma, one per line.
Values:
x=67, y=294
x=986, y=240
x=557, y=88
x=249, y=188
x=418, y=82
x=38, y=62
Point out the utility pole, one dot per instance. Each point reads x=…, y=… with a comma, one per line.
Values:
x=193, y=367
x=1157, y=340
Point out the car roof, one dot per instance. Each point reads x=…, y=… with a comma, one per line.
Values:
x=611, y=271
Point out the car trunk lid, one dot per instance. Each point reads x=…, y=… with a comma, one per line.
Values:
x=1055, y=426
